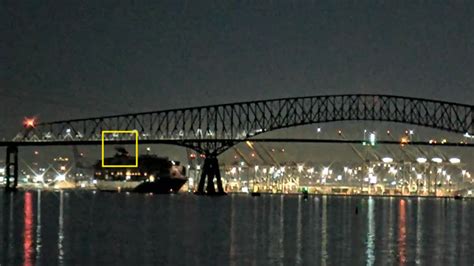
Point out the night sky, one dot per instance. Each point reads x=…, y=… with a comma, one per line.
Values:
x=73, y=59
x=65, y=59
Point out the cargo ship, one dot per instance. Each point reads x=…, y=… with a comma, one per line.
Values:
x=154, y=174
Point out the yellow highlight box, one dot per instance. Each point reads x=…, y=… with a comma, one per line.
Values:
x=120, y=132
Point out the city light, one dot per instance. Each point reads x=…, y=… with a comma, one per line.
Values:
x=372, y=138
x=454, y=160
x=372, y=179
x=421, y=160
x=300, y=168
x=325, y=171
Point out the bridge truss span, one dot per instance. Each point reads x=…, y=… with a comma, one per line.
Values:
x=242, y=120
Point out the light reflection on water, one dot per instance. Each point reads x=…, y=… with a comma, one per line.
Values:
x=370, y=233
x=50, y=228
x=61, y=229
x=28, y=231
x=402, y=233
x=324, y=235
x=38, y=226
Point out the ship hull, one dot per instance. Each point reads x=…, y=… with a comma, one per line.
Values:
x=161, y=186
x=103, y=185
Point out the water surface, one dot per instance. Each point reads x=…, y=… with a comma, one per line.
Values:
x=87, y=228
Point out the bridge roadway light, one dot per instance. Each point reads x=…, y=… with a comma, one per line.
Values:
x=437, y=160
x=404, y=140
x=387, y=160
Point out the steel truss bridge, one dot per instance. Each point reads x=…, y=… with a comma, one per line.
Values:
x=213, y=129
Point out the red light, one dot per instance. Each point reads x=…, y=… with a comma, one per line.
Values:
x=193, y=155
x=29, y=122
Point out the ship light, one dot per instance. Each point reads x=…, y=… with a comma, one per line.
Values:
x=39, y=178
x=61, y=177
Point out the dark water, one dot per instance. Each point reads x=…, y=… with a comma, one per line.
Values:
x=86, y=228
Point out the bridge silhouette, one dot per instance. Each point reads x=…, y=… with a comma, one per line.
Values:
x=213, y=129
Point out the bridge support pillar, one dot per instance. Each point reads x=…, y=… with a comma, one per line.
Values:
x=11, y=168
x=210, y=170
